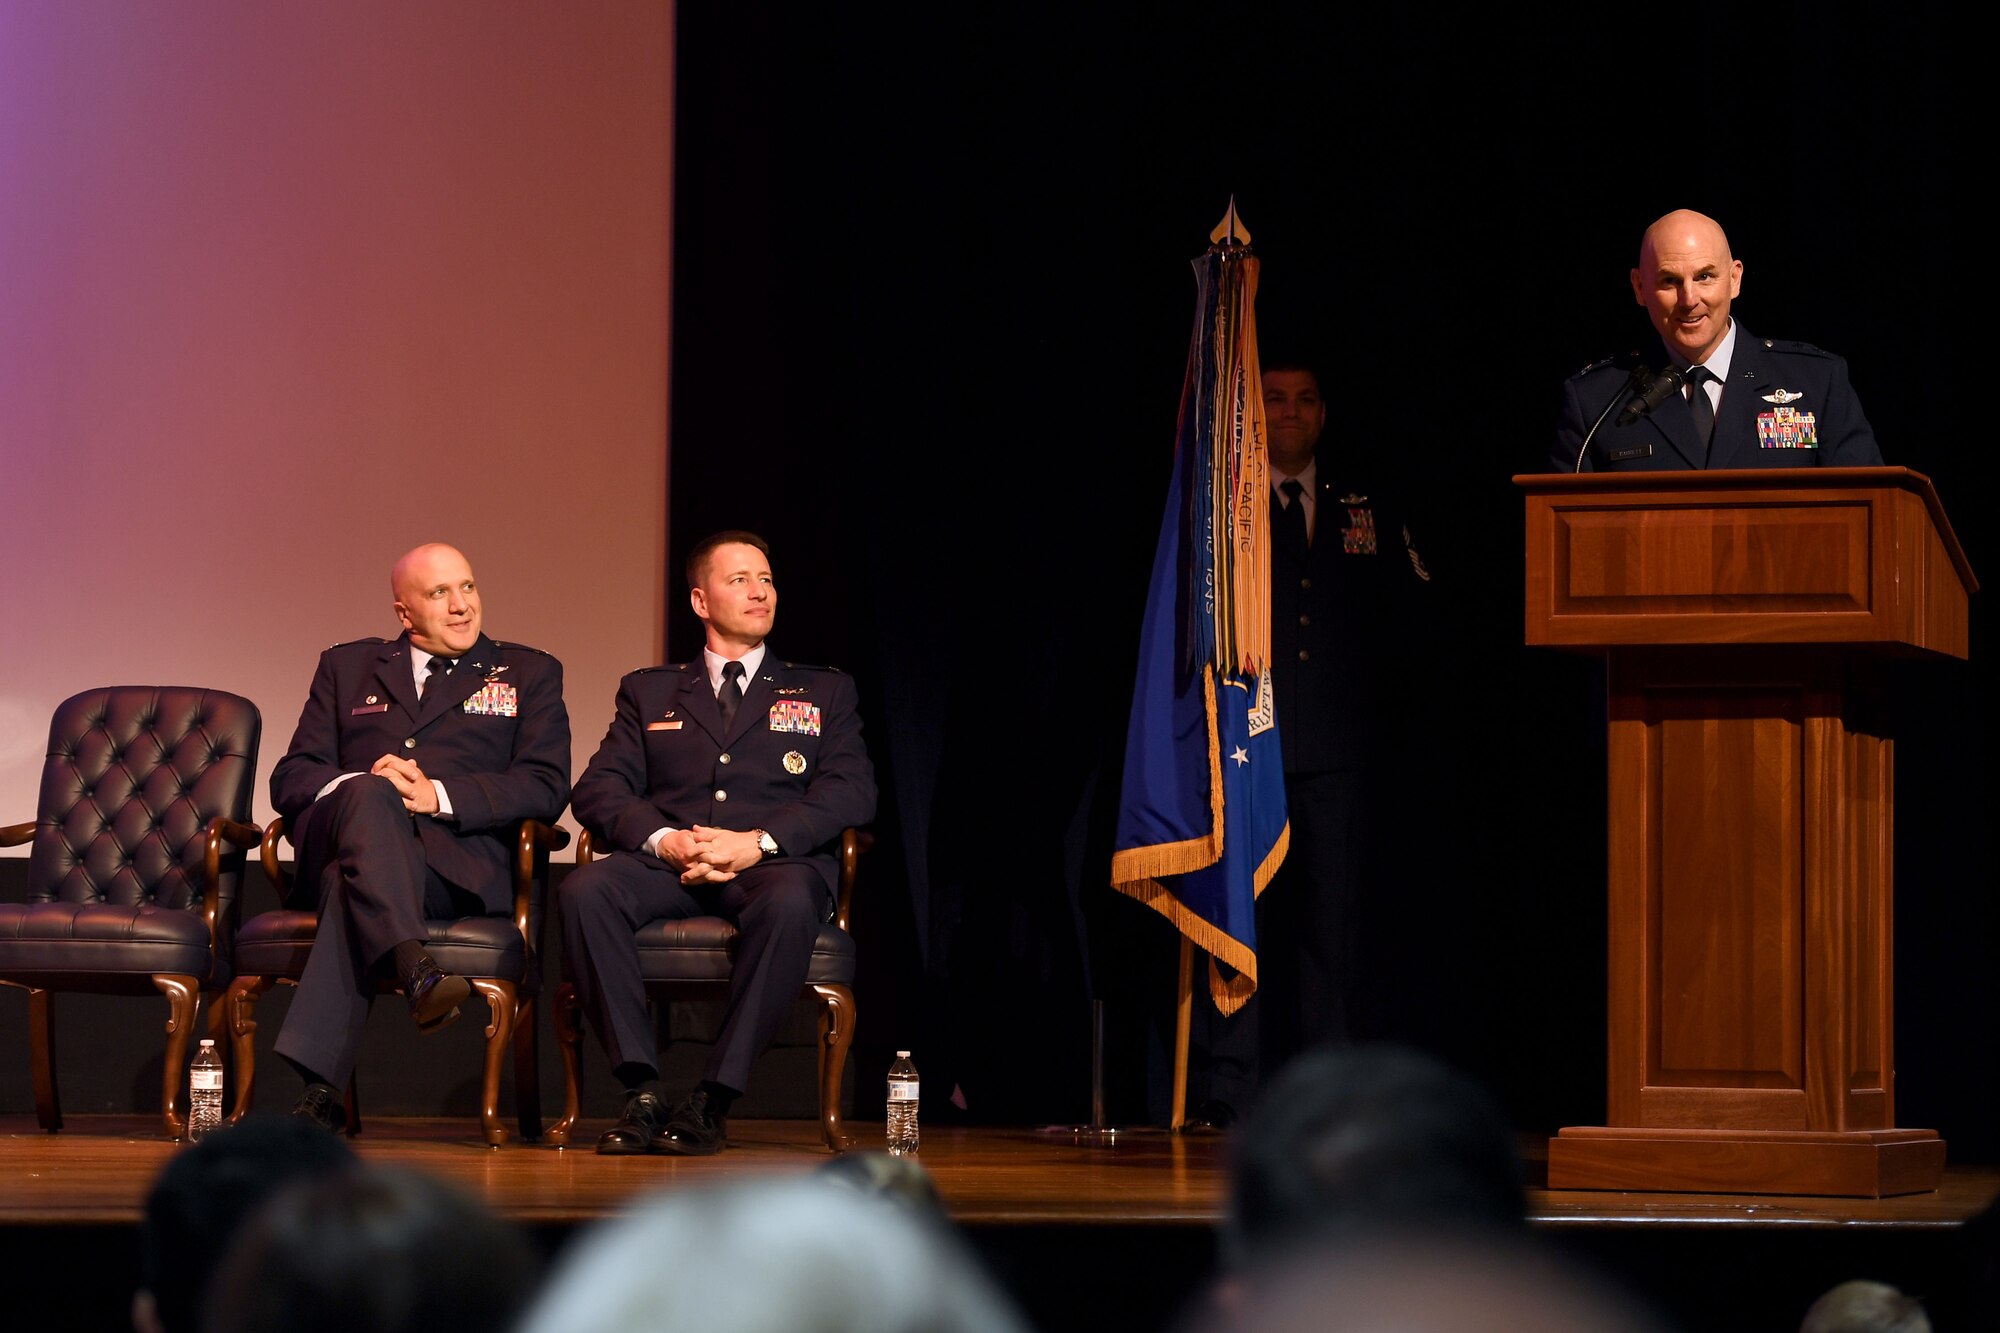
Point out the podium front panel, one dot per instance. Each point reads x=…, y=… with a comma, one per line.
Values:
x=1749, y=894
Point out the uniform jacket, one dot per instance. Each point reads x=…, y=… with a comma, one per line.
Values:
x=793, y=764
x=1772, y=385
x=495, y=732
x=1339, y=612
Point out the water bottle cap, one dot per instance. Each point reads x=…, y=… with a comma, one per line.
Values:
x=208, y=1041
x=902, y=1055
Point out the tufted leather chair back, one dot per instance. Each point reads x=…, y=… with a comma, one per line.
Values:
x=133, y=776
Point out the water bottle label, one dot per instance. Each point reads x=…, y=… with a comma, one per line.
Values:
x=903, y=1092
x=205, y=1080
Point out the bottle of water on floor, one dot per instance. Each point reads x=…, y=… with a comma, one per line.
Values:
x=902, y=1106
x=205, y=1090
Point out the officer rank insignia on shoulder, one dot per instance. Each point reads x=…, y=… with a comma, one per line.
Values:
x=795, y=715
x=1622, y=360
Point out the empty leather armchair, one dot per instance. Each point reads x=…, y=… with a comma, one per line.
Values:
x=691, y=958
x=500, y=956
x=138, y=843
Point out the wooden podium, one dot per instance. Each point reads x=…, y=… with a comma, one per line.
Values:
x=1747, y=619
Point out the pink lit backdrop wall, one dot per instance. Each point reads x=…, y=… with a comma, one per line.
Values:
x=286, y=289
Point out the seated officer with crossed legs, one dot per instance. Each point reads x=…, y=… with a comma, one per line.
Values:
x=412, y=762
x=721, y=789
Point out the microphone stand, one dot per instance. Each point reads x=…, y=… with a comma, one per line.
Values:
x=1632, y=382
x=1096, y=1133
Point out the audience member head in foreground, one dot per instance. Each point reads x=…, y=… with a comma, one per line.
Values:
x=200, y=1198
x=1367, y=1137
x=1411, y=1280
x=791, y=1254
x=1862, y=1306
x=374, y=1250
x=900, y=1179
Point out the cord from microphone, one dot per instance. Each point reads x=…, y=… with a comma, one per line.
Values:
x=1640, y=379
x=1664, y=386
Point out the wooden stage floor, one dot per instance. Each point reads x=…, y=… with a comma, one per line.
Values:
x=1037, y=1200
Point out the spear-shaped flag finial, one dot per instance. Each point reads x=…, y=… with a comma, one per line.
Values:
x=1230, y=231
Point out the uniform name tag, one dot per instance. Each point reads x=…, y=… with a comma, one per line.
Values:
x=494, y=699
x=795, y=715
x=663, y=726
x=368, y=708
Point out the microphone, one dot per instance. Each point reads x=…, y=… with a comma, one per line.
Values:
x=1664, y=386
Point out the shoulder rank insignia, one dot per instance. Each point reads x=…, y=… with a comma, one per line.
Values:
x=1623, y=359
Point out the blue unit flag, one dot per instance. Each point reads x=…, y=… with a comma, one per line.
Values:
x=1201, y=814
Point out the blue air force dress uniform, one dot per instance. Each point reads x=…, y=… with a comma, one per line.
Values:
x=792, y=764
x=1345, y=605
x=496, y=734
x=1786, y=404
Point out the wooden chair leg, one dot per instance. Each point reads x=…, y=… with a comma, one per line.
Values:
x=183, y=999
x=501, y=1001
x=836, y=1034
x=569, y=1041
x=239, y=1015
x=217, y=1030
x=528, y=1071
x=42, y=1056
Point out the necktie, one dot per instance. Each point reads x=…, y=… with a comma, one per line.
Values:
x=1291, y=518
x=1704, y=411
x=731, y=693
x=437, y=666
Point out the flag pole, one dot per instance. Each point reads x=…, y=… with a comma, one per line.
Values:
x=1183, y=1020
x=1202, y=822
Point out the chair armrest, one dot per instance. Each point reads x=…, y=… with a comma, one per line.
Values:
x=13, y=835
x=853, y=842
x=243, y=837
x=533, y=841
x=267, y=853
x=586, y=848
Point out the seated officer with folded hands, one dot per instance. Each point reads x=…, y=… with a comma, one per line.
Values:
x=412, y=762
x=721, y=789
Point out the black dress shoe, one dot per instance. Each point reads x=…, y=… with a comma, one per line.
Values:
x=434, y=994
x=321, y=1104
x=1210, y=1115
x=693, y=1130
x=642, y=1129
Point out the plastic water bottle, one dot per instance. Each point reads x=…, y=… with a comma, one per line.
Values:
x=205, y=1090
x=902, y=1106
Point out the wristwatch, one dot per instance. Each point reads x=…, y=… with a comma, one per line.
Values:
x=766, y=844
